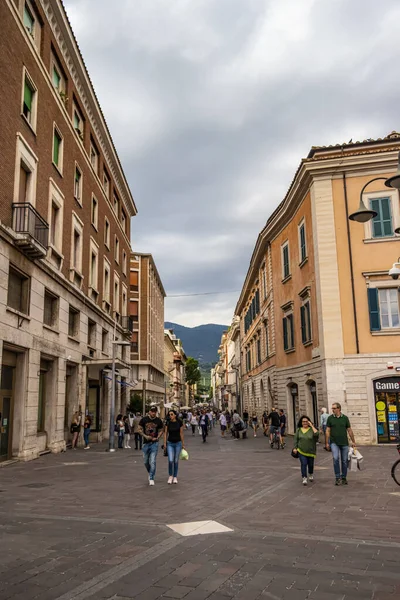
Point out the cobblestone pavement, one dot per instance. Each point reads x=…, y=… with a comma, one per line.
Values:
x=86, y=525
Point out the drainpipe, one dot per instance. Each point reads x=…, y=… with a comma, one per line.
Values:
x=351, y=265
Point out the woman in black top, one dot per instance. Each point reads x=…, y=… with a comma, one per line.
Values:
x=174, y=442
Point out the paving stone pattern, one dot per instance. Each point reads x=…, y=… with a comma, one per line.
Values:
x=86, y=525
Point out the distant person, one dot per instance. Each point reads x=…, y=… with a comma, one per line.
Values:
x=323, y=420
x=282, y=420
x=136, y=431
x=194, y=423
x=265, y=422
x=75, y=428
x=204, y=425
x=254, y=423
x=237, y=425
x=120, y=430
x=222, y=421
x=246, y=418
x=86, y=431
x=275, y=426
x=174, y=442
x=127, y=432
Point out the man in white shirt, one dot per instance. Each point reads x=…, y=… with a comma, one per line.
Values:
x=222, y=420
x=210, y=419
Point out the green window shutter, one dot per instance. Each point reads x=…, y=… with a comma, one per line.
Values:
x=28, y=95
x=285, y=334
x=303, y=324
x=302, y=243
x=56, y=78
x=382, y=224
x=308, y=321
x=373, y=305
x=257, y=302
x=290, y=317
x=56, y=148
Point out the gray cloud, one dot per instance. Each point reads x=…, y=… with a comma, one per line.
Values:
x=212, y=104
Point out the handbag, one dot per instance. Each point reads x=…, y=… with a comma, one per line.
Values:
x=294, y=454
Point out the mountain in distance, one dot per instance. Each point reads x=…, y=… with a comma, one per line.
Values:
x=201, y=342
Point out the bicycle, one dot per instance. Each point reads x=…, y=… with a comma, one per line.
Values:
x=276, y=439
x=395, y=472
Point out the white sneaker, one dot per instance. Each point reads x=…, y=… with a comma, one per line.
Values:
x=311, y=478
x=170, y=480
x=87, y=448
x=175, y=480
x=151, y=481
x=129, y=447
x=304, y=480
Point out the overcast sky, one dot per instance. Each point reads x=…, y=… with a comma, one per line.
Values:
x=212, y=104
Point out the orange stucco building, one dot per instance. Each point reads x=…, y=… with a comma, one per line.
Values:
x=319, y=313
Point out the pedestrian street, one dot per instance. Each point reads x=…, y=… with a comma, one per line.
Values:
x=239, y=525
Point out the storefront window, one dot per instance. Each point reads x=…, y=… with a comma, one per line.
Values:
x=387, y=409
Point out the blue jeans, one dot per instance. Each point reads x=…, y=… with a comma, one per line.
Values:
x=150, y=455
x=340, y=454
x=86, y=433
x=121, y=438
x=306, y=461
x=174, y=450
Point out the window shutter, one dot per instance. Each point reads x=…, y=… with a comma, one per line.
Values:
x=303, y=324
x=373, y=304
x=56, y=149
x=28, y=97
x=285, y=337
x=291, y=330
x=257, y=302
x=308, y=321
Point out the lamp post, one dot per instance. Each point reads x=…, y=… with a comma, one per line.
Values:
x=114, y=343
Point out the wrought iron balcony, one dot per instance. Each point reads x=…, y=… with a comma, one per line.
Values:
x=127, y=324
x=32, y=230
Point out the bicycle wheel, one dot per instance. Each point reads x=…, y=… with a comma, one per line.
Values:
x=396, y=471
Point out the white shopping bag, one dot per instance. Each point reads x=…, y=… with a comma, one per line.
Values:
x=360, y=459
x=355, y=460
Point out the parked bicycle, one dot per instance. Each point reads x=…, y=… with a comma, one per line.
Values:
x=396, y=468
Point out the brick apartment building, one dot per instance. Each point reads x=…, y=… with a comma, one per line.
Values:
x=146, y=307
x=65, y=210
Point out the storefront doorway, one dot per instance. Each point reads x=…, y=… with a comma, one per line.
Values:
x=93, y=408
x=6, y=412
x=387, y=409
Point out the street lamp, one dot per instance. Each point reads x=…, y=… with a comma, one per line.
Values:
x=114, y=343
x=364, y=214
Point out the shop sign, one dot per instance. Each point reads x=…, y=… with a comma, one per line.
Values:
x=388, y=384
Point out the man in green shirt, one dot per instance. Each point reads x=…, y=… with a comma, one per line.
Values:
x=336, y=438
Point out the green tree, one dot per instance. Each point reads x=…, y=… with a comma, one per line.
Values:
x=192, y=374
x=136, y=403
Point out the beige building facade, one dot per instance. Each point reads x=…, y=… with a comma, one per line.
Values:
x=319, y=312
x=174, y=367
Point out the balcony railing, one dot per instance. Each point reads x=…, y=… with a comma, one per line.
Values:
x=33, y=230
x=127, y=324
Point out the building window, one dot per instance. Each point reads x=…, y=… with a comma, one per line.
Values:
x=91, y=341
x=135, y=342
x=124, y=301
x=55, y=218
x=252, y=311
x=94, y=213
x=107, y=232
x=25, y=180
x=124, y=262
x=116, y=298
x=73, y=322
x=78, y=184
x=57, y=76
x=25, y=173
x=57, y=149
x=29, y=100
x=94, y=157
x=302, y=242
x=305, y=320
x=116, y=204
x=78, y=121
x=104, y=340
x=258, y=351
x=264, y=280
x=266, y=329
x=50, y=311
x=383, y=308
x=76, y=244
x=123, y=220
x=134, y=311
x=288, y=332
x=285, y=261
x=116, y=250
x=93, y=266
x=106, y=184
x=382, y=224
x=248, y=359
x=134, y=281
x=18, y=290
x=106, y=286
x=31, y=23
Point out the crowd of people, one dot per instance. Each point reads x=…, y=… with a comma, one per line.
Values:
x=147, y=431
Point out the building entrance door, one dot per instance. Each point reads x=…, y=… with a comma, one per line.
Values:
x=294, y=390
x=387, y=409
x=6, y=410
x=93, y=407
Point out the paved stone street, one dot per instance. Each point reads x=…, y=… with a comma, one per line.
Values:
x=84, y=525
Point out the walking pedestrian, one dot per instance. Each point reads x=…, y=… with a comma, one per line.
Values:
x=265, y=422
x=127, y=432
x=254, y=423
x=204, y=425
x=282, y=420
x=275, y=426
x=194, y=423
x=222, y=420
x=210, y=420
x=136, y=431
x=86, y=431
x=305, y=446
x=120, y=430
x=323, y=421
x=246, y=418
x=228, y=419
x=338, y=429
x=174, y=442
x=237, y=425
x=151, y=428
x=75, y=428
